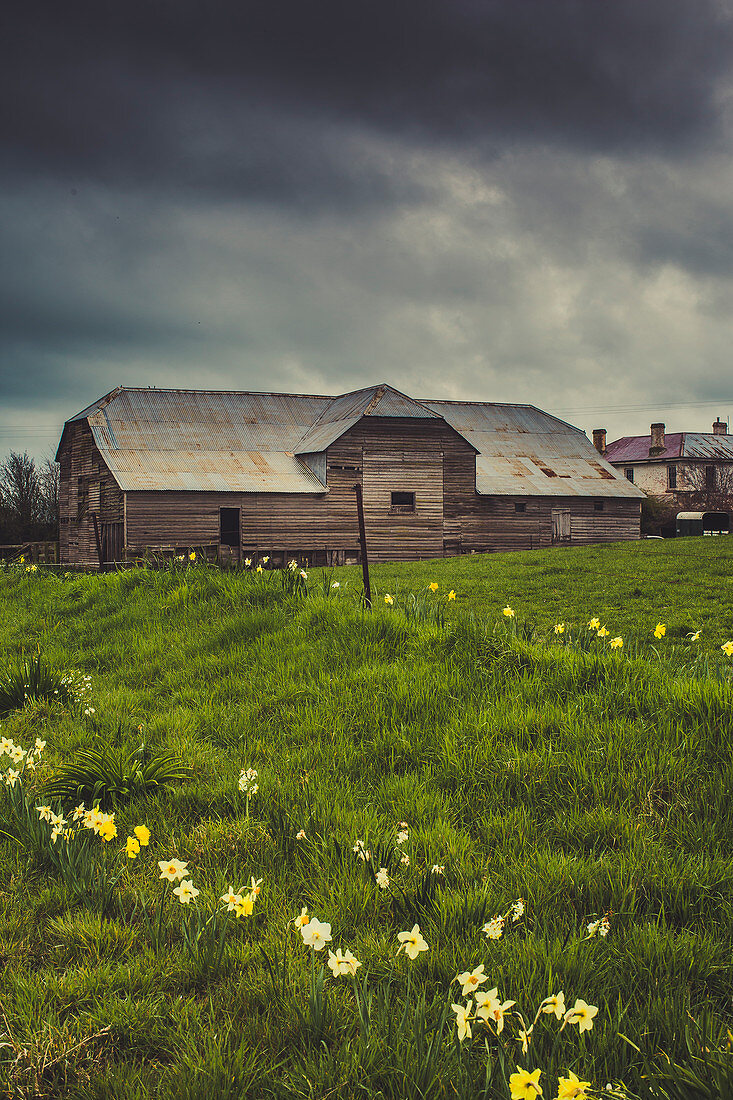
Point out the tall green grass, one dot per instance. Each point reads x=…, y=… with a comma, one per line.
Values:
x=585, y=782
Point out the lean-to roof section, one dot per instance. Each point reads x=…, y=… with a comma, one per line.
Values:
x=526, y=452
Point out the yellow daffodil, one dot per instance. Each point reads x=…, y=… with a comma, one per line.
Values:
x=192, y=556
x=508, y=612
x=412, y=942
x=389, y=600
x=463, y=1015
x=660, y=630
x=727, y=648
x=559, y=628
x=245, y=905
x=571, y=1087
x=259, y=569
x=108, y=830
x=316, y=934
x=695, y=635
x=343, y=965
x=581, y=1014
x=524, y=1085
x=603, y=632
x=143, y=835
x=451, y=595
x=132, y=847
x=186, y=892
x=471, y=979
x=433, y=587
x=554, y=1004
x=594, y=624
x=494, y=928
x=616, y=643
x=265, y=560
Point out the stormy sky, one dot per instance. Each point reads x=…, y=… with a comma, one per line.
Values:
x=497, y=200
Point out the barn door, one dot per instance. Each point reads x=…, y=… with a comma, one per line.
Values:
x=111, y=538
x=560, y=526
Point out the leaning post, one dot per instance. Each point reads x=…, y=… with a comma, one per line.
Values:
x=362, y=543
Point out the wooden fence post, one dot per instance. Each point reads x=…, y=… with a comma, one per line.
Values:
x=362, y=542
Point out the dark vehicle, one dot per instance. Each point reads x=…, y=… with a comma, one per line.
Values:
x=702, y=523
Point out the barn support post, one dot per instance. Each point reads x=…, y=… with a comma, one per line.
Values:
x=362, y=543
x=98, y=542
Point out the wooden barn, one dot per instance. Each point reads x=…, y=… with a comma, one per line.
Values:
x=273, y=474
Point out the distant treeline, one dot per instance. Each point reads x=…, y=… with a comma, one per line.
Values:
x=29, y=499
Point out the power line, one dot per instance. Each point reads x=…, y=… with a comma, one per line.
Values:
x=658, y=405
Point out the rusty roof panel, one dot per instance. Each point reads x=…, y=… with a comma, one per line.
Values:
x=211, y=471
x=703, y=445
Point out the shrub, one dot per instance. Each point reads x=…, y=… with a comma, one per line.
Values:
x=31, y=679
x=113, y=778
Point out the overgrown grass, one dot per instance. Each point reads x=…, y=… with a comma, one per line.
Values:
x=527, y=764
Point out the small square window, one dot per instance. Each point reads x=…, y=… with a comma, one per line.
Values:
x=597, y=505
x=520, y=507
x=629, y=474
x=402, y=502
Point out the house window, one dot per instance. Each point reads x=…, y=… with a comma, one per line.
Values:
x=402, y=502
x=520, y=507
x=709, y=477
x=597, y=505
x=629, y=474
x=671, y=477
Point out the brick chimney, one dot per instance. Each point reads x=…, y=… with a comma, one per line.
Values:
x=599, y=440
x=656, y=445
x=720, y=427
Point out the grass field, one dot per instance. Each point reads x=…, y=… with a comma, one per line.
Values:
x=592, y=783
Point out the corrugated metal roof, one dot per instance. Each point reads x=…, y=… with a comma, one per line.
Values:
x=526, y=452
x=212, y=471
x=695, y=445
x=246, y=442
x=347, y=410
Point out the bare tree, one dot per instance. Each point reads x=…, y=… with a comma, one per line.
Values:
x=29, y=499
x=710, y=488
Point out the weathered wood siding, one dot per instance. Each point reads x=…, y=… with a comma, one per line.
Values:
x=86, y=487
x=495, y=523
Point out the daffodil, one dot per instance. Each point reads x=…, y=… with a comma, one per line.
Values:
x=524, y=1085
x=437, y=869
x=6, y=746
x=660, y=630
x=186, y=892
x=594, y=624
x=389, y=600
x=402, y=836
x=382, y=878
x=230, y=899
x=491, y=1008
x=172, y=869
x=451, y=595
x=335, y=584
x=508, y=612
x=302, y=920
x=108, y=829
x=525, y=1038
x=11, y=777
x=343, y=965
x=554, y=1005
x=405, y=859
x=616, y=643
x=142, y=834
x=316, y=934
x=245, y=905
x=603, y=632
x=44, y=812
x=433, y=586
x=471, y=979
x=132, y=847
x=248, y=561
x=581, y=1014
x=494, y=928
x=517, y=909
x=16, y=754
x=265, y=560
x=259, y=569
x=412, y=942
x=300, y=835
x=727, y=648
x=463, y=1015
x=571, y=1087
x=192, y=556
x=559, y=628
x=695, y=635
x=40, y=745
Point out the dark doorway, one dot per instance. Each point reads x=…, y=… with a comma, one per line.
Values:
x=229, y=526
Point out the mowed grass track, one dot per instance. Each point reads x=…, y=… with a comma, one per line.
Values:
x=585, y=782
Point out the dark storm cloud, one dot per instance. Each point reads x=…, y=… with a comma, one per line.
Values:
x=253, y=98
